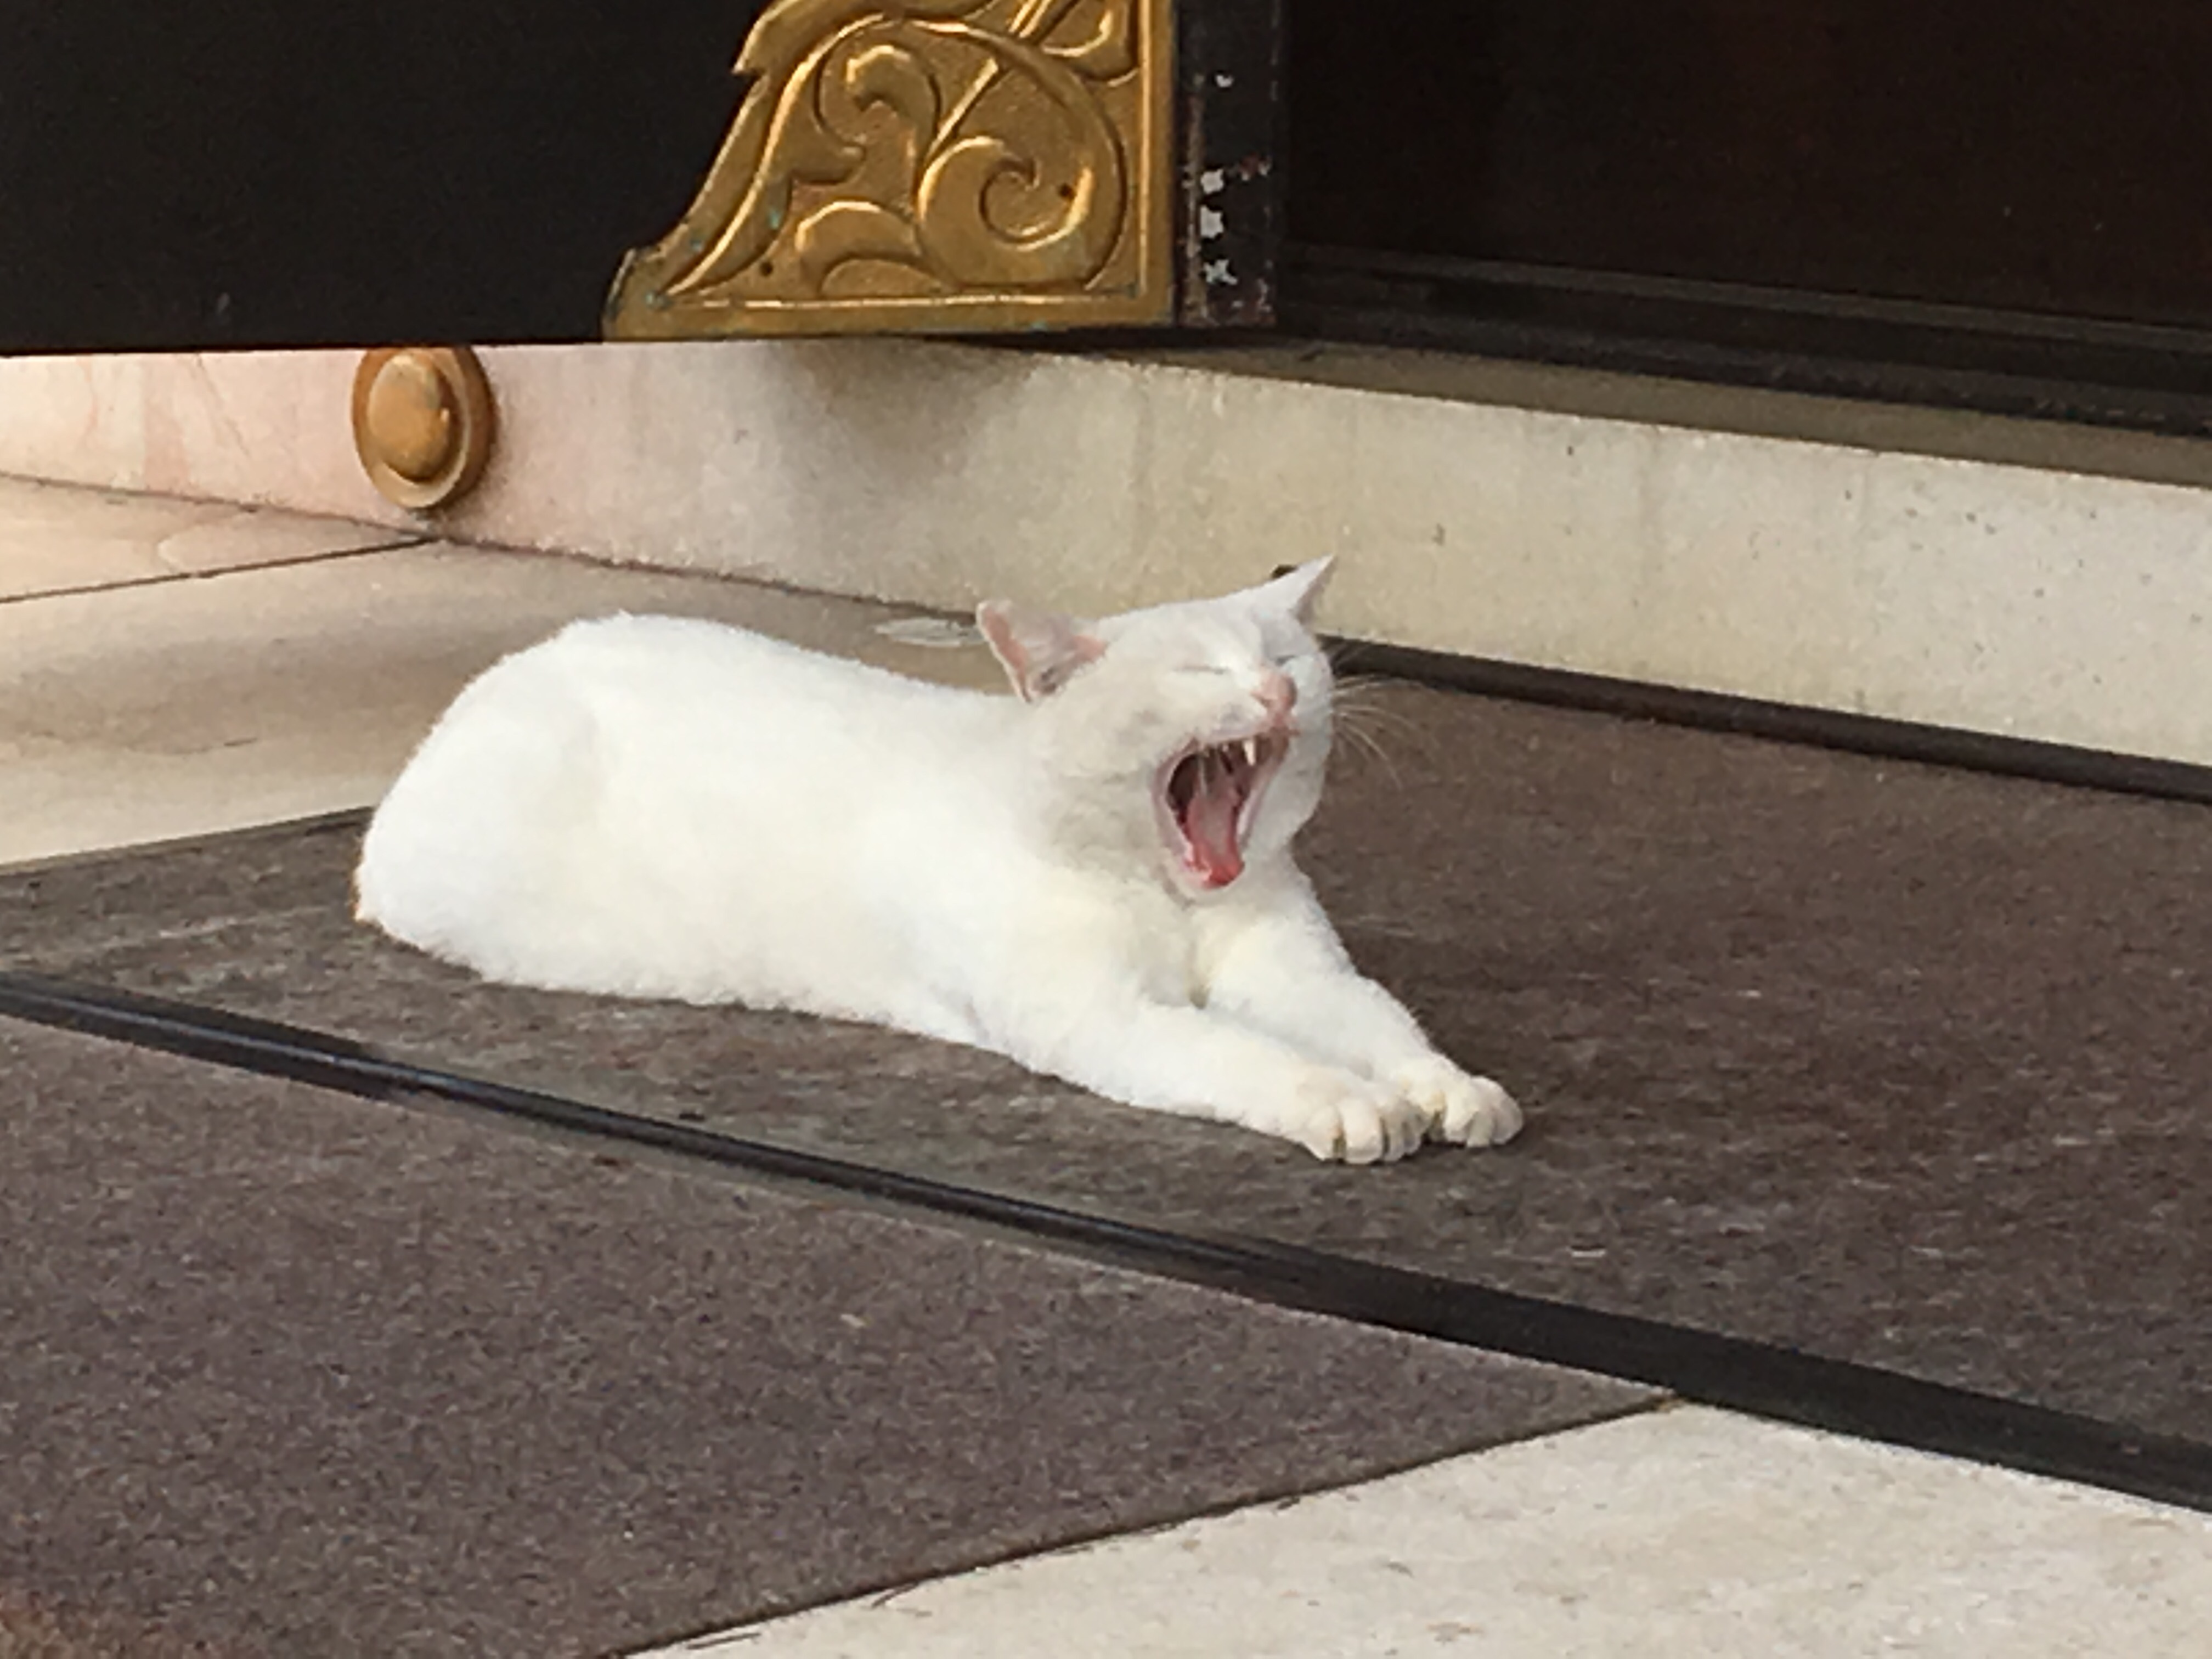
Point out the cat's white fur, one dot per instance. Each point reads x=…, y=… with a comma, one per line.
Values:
x=648, y=807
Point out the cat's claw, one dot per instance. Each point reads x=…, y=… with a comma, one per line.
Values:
x=1338, y=1116
x=1457, y=1106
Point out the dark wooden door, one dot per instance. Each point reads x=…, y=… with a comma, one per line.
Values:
x=282, y=173
x=1998, y=202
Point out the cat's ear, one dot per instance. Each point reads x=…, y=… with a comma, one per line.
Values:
x=1039, y=649
x=1297, y=587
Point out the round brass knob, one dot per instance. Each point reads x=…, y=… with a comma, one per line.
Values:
x=409, y=417
x=422, y=420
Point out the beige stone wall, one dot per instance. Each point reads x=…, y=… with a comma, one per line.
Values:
x=2053, y=600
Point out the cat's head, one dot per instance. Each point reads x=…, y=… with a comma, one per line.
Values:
x=1194, y=735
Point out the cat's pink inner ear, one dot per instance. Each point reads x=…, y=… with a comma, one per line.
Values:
x=1300, y=589
x=1039, y=649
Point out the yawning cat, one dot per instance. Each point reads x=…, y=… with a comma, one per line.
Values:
x=1095, y=879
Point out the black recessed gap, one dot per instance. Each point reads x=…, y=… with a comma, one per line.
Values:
x=1874, y=735
x=1727, y=1372
x=2025, y=365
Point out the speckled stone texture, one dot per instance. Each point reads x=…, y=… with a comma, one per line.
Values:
x=1879, y=1061
x=291, y=1373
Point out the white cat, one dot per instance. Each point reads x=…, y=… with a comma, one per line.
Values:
x=1095, y=879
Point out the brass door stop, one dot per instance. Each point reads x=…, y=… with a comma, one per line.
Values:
x=422, y=422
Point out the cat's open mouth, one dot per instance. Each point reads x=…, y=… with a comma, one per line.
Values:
x=1208, y=799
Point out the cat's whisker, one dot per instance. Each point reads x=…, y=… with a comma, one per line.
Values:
x=1361, y=682
x=1401, y=727
x=1367, y=742
x=1367, y=706
x=1389, y=766
x=1366, y=687
x=1344, y=657
x=1375, y=693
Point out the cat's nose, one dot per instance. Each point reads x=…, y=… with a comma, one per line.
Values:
x=1278, y=695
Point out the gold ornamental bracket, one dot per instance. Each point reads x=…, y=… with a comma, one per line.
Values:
x=929, y=165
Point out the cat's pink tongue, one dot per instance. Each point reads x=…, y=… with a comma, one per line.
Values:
x=1210, y=823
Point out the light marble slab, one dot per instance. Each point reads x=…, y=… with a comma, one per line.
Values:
x=144, y=713
x=1680, y=1532
x=54, y=540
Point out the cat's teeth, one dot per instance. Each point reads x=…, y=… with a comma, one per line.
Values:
x=1251, y=752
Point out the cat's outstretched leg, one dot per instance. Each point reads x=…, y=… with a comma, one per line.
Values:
x=1280, y=968
x=1182, y=1058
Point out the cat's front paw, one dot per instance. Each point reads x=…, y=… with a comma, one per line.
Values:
x=1457, y=1106
x=1338, y=1115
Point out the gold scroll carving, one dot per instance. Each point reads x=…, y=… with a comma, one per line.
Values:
x=931, y=166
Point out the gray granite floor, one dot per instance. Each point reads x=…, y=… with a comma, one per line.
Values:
x=1876, y=1061
x=292, y=1373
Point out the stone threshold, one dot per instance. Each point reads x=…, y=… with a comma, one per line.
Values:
x=2015, y=578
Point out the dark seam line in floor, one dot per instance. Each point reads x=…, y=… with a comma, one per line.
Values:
x=169, y=578
x=1732, y=1373
x=1875, y=735
x=315, y=823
